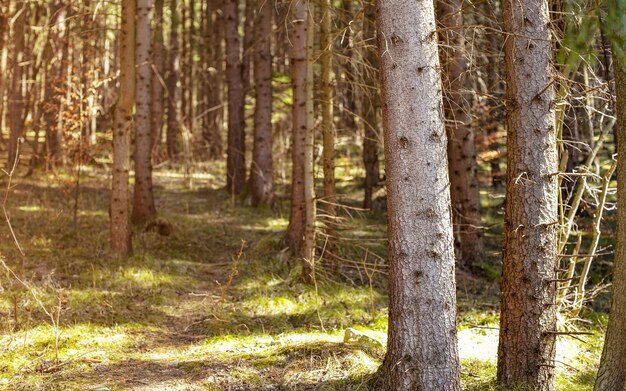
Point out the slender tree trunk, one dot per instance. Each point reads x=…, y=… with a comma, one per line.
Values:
x=328, y=128
x=52, y=107
x=422, y=349
x=297, y=218
x=173, y=91
x=158, y=72
x=261, y=169
x=612, y=371
x=143, y=207
x=16, y=98
x=370, y=109
x=212, y=131
x=528, y=310
x=310, y=212
x=235, y=163
x=120, y=198
x=464, y=190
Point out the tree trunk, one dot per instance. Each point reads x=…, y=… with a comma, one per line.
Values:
x=370, y=109
x=612, y=371
x=16, y=98
x=55, y=79
x=213, y=128
x=328, y=129
x=528, y=310
x=120, y=199
x=143, y=207
x=158, y=61
x=422, y=345
x=310, y=212
x=173, y=91
x=261, y=169
x=297, y=218
x=464, y=191
x=235, y=162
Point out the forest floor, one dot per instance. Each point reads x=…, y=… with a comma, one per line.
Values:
x=216, y=305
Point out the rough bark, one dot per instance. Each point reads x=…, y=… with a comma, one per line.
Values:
x=464, y=191
x=144, y=209
x=297, y=220
x=328, y=129
x=235, y=161
x=370, y=109
x=422, y=351
x=173, y=134
x=528, y=310
x=16, y=98
x=261, y=169
x=157, y=75
x=612, y=371
x=120, y=198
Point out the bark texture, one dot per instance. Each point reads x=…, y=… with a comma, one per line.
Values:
x=612, y=371
x=235, y=160
x=528, y=310
x=120, y=198
x=144, y=209
x=422, y=351
x=297, y=218
x=464, y=190
x=261, y=169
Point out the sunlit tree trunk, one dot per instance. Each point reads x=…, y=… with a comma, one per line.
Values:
x=120, y=198
x=464, y=190
x=297, y=218
x=144, y=209
x=422, y=343
x=235, y=163
x=528, y=311
x=612, y=371
x=261, y=169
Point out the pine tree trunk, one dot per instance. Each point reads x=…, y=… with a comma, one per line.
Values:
x=212, y=131
x=16, y=99
x=370, y=109
x=235, y=162
x=261, y=169
x=52, y=107
x=157, y=75
x=173, y=134
x=310, y=212
x=464, y=191
x=528, y=310
x=143, y=207
x=422, y=349
x=297, y=218
x=120, y=198
x=328, y=129
x=612, y=371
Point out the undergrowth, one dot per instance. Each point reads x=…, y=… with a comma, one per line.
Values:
x=166, y=318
